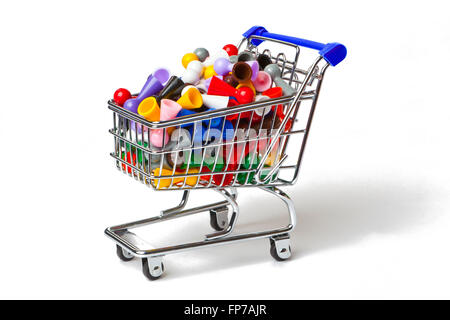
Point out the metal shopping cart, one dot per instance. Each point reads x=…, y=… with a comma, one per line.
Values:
x=259, y=155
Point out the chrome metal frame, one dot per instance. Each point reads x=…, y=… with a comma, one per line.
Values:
x=135, y=155
x=137, y=247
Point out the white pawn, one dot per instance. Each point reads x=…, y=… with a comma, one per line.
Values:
x=193, y=72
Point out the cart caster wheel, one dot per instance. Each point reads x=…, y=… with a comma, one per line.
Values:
x=123, y=254
x=219, y=218
x=153, y=268
x=280, y=248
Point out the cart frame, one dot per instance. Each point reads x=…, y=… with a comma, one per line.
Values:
x=129, y=245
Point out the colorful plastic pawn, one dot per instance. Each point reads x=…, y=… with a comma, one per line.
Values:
x=272, y=93
x=185, y=112
x=188, y=58
x=248, y=84
x=159, y=137
x=245, y=71
x=244, y=95
x=255, y=69
x=215, y=102
x=172, y=89
x=231, y=80
x=169, y=109
x=261, y=112
x=231, y=49
x=201, y=54
x=211, y=101
x=149, y=109
x=241, y=72
x=275, y=73
x=263, y=60
x=193, y=72
x=191, y=99
x=246, y=56
x=262, y=82
x=153, y=85
x=209, y=72
x=192, y=180
x=161, y=183
x=218, y=87
x=121, y=95
x=223, y=66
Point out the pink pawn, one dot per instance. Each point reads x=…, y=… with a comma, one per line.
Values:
x=169, y=109
x=262, y=82
x=157, y=136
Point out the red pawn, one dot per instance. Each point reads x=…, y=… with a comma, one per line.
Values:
x=245, y=95
x=121, y=95
x=231, y=49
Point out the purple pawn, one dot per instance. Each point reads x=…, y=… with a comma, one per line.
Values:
x=255, y=68
x=154, y=84
x=223, y=66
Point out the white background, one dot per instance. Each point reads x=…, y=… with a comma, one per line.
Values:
x=373, y=197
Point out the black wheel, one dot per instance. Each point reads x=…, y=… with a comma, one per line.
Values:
x=146, y=270
x=213, y=221
x=274, y=253
x=121, y=254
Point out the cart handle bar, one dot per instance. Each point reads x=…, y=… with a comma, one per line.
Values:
x=333, y=52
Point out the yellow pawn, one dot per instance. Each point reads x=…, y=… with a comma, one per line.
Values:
x=161, y=183
x=208, y=72
x=191, y=99
x=187, y=58
x=149, y=109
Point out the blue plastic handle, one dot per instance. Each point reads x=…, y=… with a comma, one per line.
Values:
x=333, y=52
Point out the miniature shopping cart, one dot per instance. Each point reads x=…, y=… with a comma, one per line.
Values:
x=265, y=154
